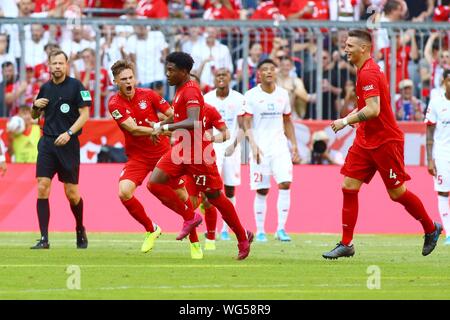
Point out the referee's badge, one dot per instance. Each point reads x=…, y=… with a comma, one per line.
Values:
x=64, y=108
x=86, y=95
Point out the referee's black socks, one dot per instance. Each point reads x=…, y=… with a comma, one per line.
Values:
x=43, y=210
x=77, y=211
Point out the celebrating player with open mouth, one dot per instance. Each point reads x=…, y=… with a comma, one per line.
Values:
x=378, y=146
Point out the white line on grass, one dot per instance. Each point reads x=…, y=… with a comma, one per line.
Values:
x=237, y=265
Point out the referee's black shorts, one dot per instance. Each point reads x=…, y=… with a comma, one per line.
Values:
x=64, y=160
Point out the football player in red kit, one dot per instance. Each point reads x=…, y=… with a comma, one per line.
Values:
x=378, y=146
x=189, y=156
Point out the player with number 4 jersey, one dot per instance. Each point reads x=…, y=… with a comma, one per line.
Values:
x=378, y=146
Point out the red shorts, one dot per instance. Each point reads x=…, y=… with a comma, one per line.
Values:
x=206, y=177
x=191, y=187
x=136, y=171
x=387, y=159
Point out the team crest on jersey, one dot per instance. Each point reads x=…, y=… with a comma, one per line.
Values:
x=142, y=105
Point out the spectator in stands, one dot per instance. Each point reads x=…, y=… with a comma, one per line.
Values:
x=4, y=55
x=148, y=50
x=112, y=47
x=348, y=103
x=210, y=56
x=131, y=7
x=281, y=49
x=42, y=71
x=14, y=90
x=420, y=10
x=87, y=77
x=34, y=47
x=194, y=38
x=345, y=10
x=266, y=10
x=32, y=88
x=394, y=10
x=307, y=10
x=407, y=51
x=75, y=45
x=295, y=87
x=437, y=60
x=407, y=106
x=221, y=9
x=23, y=147
x=330, y=91
x=8, y=8
x=255, y=56
x=156, y=9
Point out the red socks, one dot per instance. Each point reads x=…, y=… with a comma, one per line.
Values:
x=170, y=199
x=349, y=215
x=229, y=215
x=211, y=221
x=137, y=211
x=415, y=208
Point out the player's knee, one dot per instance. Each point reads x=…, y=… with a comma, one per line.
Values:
x=350, y=185
x=125, y=195
x=72, y=195
x=229, y=191
x=396, y=193
x=43, y=190
x=262, y=192
x=213, y=195
x=284, y=186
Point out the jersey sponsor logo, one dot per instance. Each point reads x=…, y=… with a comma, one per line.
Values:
x=142, y=105
x=116, y=114
x=86, y=95
x=64, y=108
x=193, y=102
x=368, y=87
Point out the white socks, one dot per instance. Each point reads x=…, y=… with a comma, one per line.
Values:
x=444, y=211
x=260, y=208
x=283, y=204
x=224, y=225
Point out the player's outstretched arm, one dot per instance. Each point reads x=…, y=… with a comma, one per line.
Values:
x=370, y=111
x=430, y=142
x=222, y=136
x=192, y=122
x=136, y=130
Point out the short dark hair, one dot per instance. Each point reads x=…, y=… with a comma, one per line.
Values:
x=181, y=60
x=266, y=61
x=53, y=45
x=7, y=64
x=121, y=65
x=446, y=74
x=361, y=34
x=391, y=5
x=57, y=52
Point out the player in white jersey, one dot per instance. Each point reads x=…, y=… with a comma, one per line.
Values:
x=438, y=149
x=229, y=103
x=268, y=126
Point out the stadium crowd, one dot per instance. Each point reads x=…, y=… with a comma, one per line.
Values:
x=421, y=58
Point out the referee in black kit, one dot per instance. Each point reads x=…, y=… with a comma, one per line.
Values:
x=65, y=104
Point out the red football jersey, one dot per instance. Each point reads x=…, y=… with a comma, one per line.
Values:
x=143, y=108
x=42, y=73
x=371, y=82
x=212, y=119
x=188, y=96
x=156, y=9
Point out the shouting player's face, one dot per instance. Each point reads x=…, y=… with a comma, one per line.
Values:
x=58, y=66
x=175, y=76
x=222, y=78
x=126, y=83
x=354, y=48
x=267, y=72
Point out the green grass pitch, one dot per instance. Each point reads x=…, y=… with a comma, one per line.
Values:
x=114, y=268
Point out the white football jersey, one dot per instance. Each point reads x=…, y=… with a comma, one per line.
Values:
x=438, y=113
x=229, y=108
x=267, y=110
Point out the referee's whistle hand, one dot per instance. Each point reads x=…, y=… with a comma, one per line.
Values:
x=62, y=139
x=41, y=103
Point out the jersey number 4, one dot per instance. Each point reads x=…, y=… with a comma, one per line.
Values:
x=392, y=174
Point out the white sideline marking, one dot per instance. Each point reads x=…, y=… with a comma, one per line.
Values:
x=237, y=265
